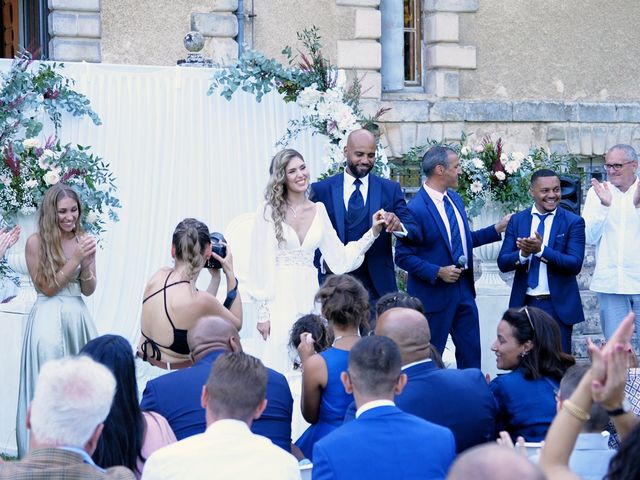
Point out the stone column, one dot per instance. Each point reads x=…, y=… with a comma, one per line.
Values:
x=74, y=27
x=219, y=27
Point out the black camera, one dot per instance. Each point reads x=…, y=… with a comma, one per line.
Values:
x=218, y=247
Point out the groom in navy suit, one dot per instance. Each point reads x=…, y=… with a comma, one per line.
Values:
x=440, y=266
x=351, y=198
x=544, y=244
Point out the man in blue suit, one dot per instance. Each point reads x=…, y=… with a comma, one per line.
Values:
x=383, y=442
x=351, y=198
x=544, y=244
x=457, y=399
x=176, y=396
x=440, y=266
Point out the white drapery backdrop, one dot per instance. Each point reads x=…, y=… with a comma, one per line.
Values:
x=176, y=153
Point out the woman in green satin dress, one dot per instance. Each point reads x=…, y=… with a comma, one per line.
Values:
x=61, y=262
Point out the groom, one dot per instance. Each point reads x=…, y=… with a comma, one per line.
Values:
x=351, y=199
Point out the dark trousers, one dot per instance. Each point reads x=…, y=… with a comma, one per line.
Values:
x=565, y=330
x=460, y=319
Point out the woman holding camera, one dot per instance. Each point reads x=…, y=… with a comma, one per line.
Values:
x=61, y=259
x=172, y=304
x=288, y=229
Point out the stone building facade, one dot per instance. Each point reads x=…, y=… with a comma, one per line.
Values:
x=558, y=74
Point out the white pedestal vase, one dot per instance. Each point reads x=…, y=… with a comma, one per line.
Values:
x=17, y=260
x=492, y=292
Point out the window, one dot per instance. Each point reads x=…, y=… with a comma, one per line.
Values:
x=24, y=25
x=412, y=41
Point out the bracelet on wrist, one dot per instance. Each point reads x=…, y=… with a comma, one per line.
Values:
x=90, y=277
x=575, y=411
x=231, y=296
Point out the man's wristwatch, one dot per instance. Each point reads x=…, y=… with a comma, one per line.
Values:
x=624, y=408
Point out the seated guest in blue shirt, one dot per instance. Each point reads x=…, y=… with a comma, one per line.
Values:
x=345, y=304
x=383, y=442
x=528, y=344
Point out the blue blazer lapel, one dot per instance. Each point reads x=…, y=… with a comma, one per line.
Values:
x=524, y=227
x=375, y=195
x=557, y=227
x=337, y=195
x=431, y=208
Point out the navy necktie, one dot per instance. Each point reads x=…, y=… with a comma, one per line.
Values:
x=456, y=240
x=534, y=267
x=356, y=202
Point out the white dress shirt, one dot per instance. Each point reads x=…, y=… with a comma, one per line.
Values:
x=349, y=187
x=438, y=199
x=543, y=280
x=226, y=450
x=374, y=404
x=615, y=231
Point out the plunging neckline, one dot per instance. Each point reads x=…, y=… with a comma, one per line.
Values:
x=306, y=234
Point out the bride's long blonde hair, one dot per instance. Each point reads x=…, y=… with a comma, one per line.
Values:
x=276, y=191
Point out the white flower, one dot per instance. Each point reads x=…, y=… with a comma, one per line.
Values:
x=309, y=97
x=333, y=95
x=5, y=180
x=31, y=183
x=27, y=209
x=48, y=153
x=476, y=187
x=30, y=143
x=92, y=217
x=504, y=158
x=478, y=163
x=51, y=177
x=464, y=151
x=518, y=156
x=512, y=166
x=478, y=149
x=500, y=176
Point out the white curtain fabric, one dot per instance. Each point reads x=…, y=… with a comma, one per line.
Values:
x=176, y=153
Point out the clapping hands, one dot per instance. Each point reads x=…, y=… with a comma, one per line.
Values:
x=8, y=238
x=603, y=192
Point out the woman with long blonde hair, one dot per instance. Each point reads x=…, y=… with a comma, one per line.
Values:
x=288, y=229
x=61, y=259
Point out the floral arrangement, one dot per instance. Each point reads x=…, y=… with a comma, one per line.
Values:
x=328, y=109
x=30, y=164
x=491, y=176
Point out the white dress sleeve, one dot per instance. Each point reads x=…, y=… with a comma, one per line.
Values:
x=339, y=257
x=261, y=279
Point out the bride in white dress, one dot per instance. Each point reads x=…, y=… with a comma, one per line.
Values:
x=288, y=229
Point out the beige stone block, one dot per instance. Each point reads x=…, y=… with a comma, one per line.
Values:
x=215, y=24
x=442, y=27
x=368, y=23
x=358, y=3
x=80, y=5
x=409, y=132
x=74, y=49
x=224, y=5
x=359, y=54
x=394, y=139
x=370, y=83
x=452, y=131
x=451, y=56
x=224, y=50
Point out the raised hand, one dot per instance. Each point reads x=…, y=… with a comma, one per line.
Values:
x=85, y=250
x=226, y=262
x=449, y=274
x=8, y=238
x=501, y=226
x=378, y=221
x=306, y=348
x=264, y=328
x=529, y=245
x=603, y=192
x=392, y=222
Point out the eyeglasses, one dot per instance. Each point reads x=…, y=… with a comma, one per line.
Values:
x=615, y=166
x=526, y=311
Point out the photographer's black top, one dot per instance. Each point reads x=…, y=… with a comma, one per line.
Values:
x=179, y=344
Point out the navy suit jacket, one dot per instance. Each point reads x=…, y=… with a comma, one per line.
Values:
x=382, y=193
x=176, y=396
x=457, y=399
x=563, y=257
x=422, y=261
x=384, y=443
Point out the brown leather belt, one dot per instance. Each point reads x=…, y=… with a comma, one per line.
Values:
x=540, y=297
x=166, y=365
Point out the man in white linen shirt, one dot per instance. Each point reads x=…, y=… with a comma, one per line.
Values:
x=233, y=397
x=612, y=220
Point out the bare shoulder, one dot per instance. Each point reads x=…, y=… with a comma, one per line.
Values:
x=33, y=243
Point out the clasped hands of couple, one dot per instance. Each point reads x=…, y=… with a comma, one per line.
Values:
x=601, y=189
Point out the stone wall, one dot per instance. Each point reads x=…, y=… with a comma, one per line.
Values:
x=75, y=30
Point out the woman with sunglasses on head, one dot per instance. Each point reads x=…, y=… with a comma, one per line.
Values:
x=527, y=344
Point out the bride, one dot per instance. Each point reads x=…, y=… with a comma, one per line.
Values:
x=288, y=229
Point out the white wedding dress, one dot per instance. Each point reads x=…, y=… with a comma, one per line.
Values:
x=285, y=281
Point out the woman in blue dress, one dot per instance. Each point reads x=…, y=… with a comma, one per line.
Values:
x=345, y=304
x=528, y=344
